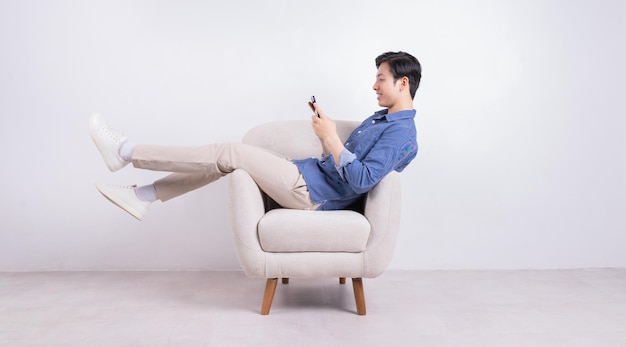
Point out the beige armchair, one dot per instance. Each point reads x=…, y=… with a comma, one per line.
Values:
x=274, y=242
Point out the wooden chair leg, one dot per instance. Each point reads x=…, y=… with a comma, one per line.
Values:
x=268, y=297
x=359, y=295
x=342, y=280
x=286, y=280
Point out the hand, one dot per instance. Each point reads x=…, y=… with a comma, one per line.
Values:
x=326, y=130
x=323, y=126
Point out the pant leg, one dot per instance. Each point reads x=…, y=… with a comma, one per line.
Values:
x=277, y=176
x=177, y=184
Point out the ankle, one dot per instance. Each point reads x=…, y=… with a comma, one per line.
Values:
x=147, y=193
x=126, y=150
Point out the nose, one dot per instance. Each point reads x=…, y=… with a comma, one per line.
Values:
x=375, y=86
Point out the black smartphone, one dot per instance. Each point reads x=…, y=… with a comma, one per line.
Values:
x=313, y=108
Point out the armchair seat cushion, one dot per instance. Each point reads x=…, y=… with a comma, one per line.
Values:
x=286, y=230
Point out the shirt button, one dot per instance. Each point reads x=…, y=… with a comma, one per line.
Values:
x=359, y=132
x=373, y=122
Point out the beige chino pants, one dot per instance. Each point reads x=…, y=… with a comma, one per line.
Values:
x=194, y=167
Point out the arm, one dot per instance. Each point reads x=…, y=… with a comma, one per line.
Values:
x=380, y=153
x=393, y=149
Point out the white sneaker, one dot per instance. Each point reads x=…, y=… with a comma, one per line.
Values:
x=107, y=141
x=125, y=198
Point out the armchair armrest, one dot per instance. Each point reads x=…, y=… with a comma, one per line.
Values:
x=246, y=209
x=382, y=209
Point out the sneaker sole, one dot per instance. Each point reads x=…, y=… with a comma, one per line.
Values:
x=121, y=204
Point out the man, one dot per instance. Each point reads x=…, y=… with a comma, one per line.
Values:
x=384, y=142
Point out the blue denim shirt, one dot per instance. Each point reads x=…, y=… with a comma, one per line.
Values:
x=382, y=143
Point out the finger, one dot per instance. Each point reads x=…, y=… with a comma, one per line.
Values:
x=318, y=111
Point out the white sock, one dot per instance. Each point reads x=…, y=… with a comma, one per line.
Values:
x=147, y=193
x=126, y=150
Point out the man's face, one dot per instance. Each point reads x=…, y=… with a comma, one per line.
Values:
x=387, y=92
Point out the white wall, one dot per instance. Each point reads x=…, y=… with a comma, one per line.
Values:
x=520, y=115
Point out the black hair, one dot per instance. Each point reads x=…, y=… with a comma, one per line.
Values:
x=402, y=64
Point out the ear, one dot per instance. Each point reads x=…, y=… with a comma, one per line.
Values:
x=404, y=82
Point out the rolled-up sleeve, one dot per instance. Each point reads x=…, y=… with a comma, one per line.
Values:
x=345, y=158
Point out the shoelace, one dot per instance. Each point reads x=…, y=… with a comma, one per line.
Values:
x=109, y=132
x=123, y=187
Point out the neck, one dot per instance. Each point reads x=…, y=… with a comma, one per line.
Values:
x=402, y=105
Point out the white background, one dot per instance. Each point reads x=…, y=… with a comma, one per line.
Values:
x=520, y=118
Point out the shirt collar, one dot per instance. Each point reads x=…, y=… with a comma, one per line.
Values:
x=394, y=116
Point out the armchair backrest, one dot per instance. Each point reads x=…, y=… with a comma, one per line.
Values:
x=294, y=138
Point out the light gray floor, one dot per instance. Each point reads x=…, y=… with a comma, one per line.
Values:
x=405, y=308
